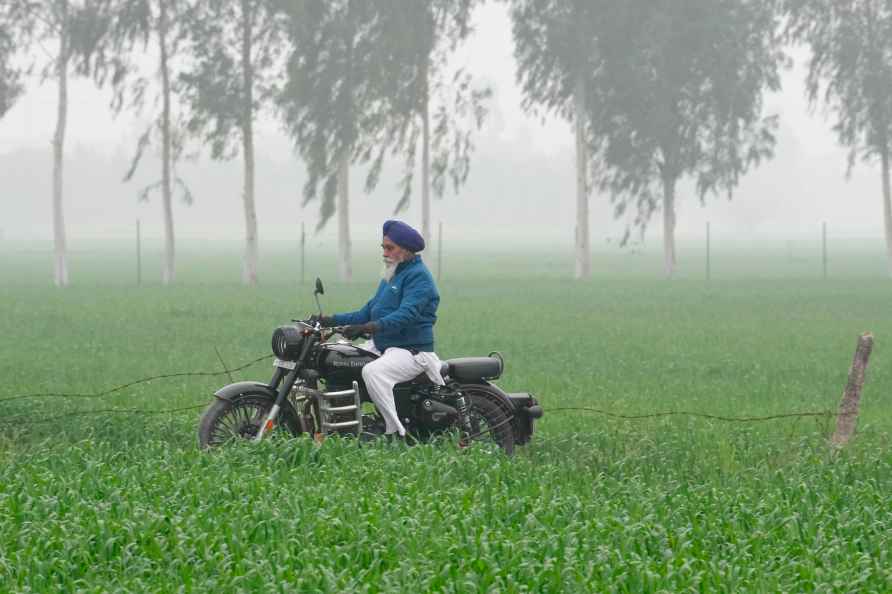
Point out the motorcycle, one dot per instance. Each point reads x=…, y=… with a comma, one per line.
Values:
x=317, y=390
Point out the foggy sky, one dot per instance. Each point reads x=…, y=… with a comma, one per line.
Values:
x=522, y=175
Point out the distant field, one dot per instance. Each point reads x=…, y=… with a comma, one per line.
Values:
x=105, y=263
x=126, y=502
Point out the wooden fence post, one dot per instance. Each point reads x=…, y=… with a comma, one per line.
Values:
x=303, y=252
x=708, y=261
x=138, y=255
x=440, y=251
x=847, y=418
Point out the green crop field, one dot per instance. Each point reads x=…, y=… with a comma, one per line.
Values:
x=101, y=502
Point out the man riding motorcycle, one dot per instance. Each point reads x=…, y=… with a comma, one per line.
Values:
x=318, y=385
x=400, y=318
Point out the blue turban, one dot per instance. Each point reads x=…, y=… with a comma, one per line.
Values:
x=404, y=236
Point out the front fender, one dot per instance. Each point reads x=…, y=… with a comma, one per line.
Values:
x=228, y=393
x=233, y=392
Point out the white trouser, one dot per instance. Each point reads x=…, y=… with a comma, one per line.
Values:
x=396, y=365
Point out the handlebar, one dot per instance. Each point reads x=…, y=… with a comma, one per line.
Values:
x=326, y=332
x=340, y=330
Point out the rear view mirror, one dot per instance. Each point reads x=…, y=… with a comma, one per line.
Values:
x=320, y=290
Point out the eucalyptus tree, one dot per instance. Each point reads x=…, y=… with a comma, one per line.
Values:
x=10, y=76
x=331, y=101
x=361, y=76
x=681, y=96
x=850, y=73
x=234, y=47
x=141, y=26
x=428, y=104
x=558, y=62
x=64, y=37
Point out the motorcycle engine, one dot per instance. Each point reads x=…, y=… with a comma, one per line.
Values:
x=436, y=415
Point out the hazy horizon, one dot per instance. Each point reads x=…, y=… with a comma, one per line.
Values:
x=521, y=183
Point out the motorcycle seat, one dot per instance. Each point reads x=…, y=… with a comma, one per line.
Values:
x=471, y=369
x=465, y=369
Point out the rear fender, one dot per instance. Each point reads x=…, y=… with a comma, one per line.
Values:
x=495, y=395
x=523, y=407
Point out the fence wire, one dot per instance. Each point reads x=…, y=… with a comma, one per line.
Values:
x=136, y=382
x=29, y=419
x=684, y=413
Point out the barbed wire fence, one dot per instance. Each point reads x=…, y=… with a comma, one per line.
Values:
x=28, y=419
x=145, y=380
x=846, y=416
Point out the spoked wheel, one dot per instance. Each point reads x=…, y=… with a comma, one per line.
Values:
x=489, y=424
x=240, y=418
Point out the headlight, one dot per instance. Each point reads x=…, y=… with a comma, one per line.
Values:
x=287, y=342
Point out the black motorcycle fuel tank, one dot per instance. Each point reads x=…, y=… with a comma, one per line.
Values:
x=342, y=363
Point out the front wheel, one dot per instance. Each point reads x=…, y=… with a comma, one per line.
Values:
x=489, y=423
x=241, y=418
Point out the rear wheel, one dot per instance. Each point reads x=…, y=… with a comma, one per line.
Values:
x=489, y=423
x=240, y=418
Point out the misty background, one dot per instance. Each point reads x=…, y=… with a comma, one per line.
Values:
x=520, y=189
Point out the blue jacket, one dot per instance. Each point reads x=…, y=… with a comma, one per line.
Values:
x=405, y=309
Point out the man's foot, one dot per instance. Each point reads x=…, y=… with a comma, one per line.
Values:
x=405, y=439
x=370, y=436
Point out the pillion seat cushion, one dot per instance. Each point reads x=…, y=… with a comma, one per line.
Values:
x=471, y=369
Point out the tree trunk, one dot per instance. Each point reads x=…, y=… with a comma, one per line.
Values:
x=669, y=225
x=249, y=270
x=583, y=235
x=887, y=208
x=60, y=248
x=345, y=269
x=168, y=274
x=426, y=161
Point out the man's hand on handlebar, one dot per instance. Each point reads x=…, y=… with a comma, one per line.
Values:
x=352, y=332
x=324, y=321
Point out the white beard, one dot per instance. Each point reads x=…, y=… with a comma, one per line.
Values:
x=389, y=269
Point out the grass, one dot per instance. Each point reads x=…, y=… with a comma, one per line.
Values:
x=127, y=503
